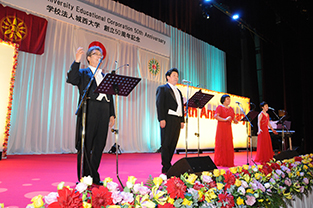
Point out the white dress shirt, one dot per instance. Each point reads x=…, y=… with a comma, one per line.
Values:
x=99, y=78
x=178, y=111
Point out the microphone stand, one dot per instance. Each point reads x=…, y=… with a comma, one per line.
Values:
x=283, y=126
x=187, y=116
x=83, y=105
x=249, y=135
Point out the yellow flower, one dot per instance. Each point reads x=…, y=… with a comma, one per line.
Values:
x=187, y=202
x=260, y=200
x=61, y=185
x=157, y=181
x=207, y=173
x=220, y=186
x=1, y=205
x=239, y=169
x=210, y=194
x=216, y=172
x=249, y=191
x=223, y=171
x=257, y=176
x=37, y=201
x=132, y=179
x=246, y=167
x=192, y=178
x=170, y=200
x=233, y=170
x=237, y=182
x=200, y=194
x=144, y=199
x=159, y=196
x=288, y=195
x=246, y=177
x=107, y=180
x=305, y=167
x=87, y=205
x=240, y=201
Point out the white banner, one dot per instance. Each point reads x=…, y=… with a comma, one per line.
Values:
x=96, y=20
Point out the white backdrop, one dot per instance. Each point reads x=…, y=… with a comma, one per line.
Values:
x=44, y=105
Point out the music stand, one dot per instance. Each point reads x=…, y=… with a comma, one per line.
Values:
x=248, y=118
x=282, y=122
x=114, y=84
x=199, y=100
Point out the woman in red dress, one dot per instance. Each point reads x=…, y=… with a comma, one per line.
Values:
x=224, y=147
x=264, y=147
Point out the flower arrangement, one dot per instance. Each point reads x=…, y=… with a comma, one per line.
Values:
x=273, y=184
x=9, y=108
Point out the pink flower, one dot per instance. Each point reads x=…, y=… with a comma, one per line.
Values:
x=142, y=190
x=244, y=184
x=81, y=187
x=112, y=186
x=288, y=182
x=117, y=197
x=207, y=179
x=241, y=190
x=51, y=197
x=127, y=197
x=250, y=200
x=306, y=180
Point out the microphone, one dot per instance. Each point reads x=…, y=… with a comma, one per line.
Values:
x=271, y=108
x=186, y=81
x=113, y=71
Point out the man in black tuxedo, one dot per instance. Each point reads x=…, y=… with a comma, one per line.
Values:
x=99, y=116
x=170, y=109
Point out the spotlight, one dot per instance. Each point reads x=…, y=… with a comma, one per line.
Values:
x=235, y=16
x=206, y=15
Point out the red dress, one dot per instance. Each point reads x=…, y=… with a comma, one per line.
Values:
x=224, y=148
x=264, y=147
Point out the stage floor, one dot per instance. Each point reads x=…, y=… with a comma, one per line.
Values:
x=25, y=176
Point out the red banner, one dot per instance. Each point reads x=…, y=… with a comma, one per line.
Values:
x=27, y=30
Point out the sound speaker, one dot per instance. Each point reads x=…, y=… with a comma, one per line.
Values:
x=286, y=154
x=191, y=165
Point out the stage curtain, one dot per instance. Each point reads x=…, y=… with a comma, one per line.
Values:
x=44, y=105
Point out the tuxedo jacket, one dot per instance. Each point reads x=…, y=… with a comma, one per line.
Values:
x=165, y=100
x=81, y=78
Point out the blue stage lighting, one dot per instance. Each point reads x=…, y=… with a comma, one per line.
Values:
x=235, y=16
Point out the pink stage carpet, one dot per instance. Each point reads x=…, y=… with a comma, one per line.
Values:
x=25, y=176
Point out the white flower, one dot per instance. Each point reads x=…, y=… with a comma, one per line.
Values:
x=87, y=180
x=163, y=176
x=81, y=187
x=267, y=185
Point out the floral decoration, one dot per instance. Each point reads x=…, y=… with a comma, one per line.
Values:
x=8, y=117
x=273, y=184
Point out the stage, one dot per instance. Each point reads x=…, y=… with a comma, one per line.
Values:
x=25, y=176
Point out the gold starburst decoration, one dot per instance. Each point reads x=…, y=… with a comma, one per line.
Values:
x=13, y=28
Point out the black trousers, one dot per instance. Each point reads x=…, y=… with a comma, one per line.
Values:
x=169, y=139
x=97, y=123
